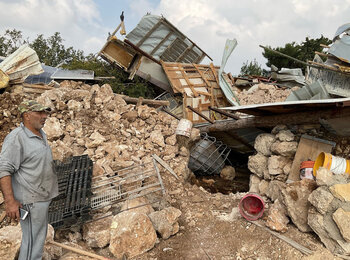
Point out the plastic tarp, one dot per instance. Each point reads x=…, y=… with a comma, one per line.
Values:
x=225, y=87
x=156, y=37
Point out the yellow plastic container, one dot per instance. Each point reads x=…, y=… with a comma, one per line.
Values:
x=337, y=165
x=4, y=79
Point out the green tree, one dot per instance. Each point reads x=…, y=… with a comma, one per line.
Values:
x=303, y=51
x=10, y=41
x=251, y=68
x=52, y=51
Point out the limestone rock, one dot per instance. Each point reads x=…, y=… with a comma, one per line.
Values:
x=321, y=199
x=257, y=164
x=316, y=222
x=52, y=128
x=97, y=233
x=171, y=140
x=10, y=242
x=1, y=198
x=287, y=149
x=74, y=105
x=165, y=221
x=285, y=136
x=131, y=234
x=342, y=219
x=228, y=173
x=263, y=143
x=276, y=163
x=278, y=128
x=254, y=183
x=341, y=191
x=323, y=176
x=263, y=187
x=96, y=140
x=157, y=138
x=140, y=205
x=277, y=217
x=60, y=150
x=131, y=116
x=275, y=190
x=295, y=197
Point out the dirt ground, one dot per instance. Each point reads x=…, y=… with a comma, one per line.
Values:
x=211, y=227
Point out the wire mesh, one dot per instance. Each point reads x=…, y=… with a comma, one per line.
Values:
x=125, y=184
x=208, y=156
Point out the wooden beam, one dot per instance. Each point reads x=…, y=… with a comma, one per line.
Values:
x=150, y=102
x=273, y=120
x=223, y=112
x=200, y=114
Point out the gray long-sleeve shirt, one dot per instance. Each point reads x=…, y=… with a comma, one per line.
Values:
x=28, y=159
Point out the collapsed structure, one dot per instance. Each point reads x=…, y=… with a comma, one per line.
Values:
x=132, y=147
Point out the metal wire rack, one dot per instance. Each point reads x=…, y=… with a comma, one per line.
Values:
x=81, y=195
x=126, y=184
x=208, y=156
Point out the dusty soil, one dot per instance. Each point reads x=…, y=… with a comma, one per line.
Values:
x=212, y=228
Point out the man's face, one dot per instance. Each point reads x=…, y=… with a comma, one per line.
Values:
x=37, y=119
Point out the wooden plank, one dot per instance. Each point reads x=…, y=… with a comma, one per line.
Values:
x=188, y=82
x=308, y=149
x=307, y=117
x=184, y=53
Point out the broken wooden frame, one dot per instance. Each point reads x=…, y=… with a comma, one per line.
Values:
x=200, y=88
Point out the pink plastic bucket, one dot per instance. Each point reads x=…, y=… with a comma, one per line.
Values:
x=251, y=206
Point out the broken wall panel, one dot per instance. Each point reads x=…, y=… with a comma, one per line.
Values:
x=157, y=37
x=116, y=51
x=199, y=86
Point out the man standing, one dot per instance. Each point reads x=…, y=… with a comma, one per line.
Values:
x=27, y=178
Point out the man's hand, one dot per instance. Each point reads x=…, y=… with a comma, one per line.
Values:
x=12, y=208
x=11, y=204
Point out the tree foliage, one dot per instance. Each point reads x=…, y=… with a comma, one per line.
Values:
x=304, y=51
x=251, y=68
x=10, y=41
x=52, y=52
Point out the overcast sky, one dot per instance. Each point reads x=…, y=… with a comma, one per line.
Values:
x=84, y=24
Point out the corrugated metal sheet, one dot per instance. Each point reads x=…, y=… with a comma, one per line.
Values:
x=73, y=74
x=21, y=63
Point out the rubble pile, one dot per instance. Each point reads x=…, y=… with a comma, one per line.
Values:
x=93, y=120
x=9, y=118
x=264, y=93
